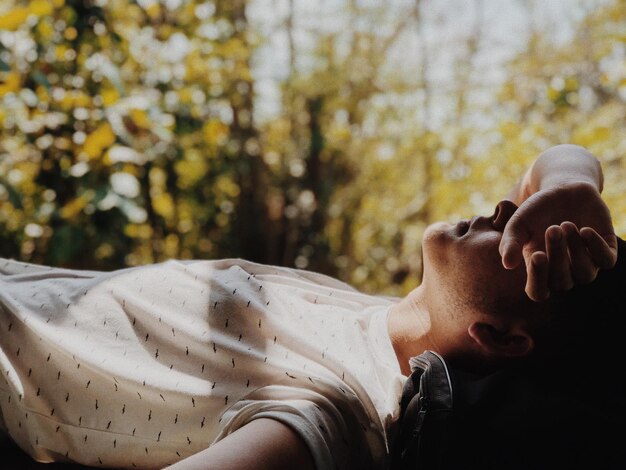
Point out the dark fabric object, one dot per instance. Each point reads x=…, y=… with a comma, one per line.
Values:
x=427, y=406
x=563, y=409
x=511, y=420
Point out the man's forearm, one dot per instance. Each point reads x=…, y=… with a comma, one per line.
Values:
x=558, y=166
x=262, y=444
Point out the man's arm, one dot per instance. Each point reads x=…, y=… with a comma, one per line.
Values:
x=262, y=444
x=558, y=166
x=562, y=229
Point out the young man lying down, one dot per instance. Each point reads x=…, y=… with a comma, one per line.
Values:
x=232, y=364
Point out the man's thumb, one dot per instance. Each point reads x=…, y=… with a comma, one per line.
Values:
x=510, y=251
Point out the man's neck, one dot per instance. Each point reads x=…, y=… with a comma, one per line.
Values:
x=409, y=328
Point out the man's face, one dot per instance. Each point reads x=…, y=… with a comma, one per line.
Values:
x=463, y=268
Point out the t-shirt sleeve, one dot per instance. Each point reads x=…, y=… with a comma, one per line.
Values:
x=332, y=432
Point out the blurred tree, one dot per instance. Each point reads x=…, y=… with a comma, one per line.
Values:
x=574, y=92
x=130, y=130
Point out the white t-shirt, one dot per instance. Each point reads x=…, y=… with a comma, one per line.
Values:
x=141, y=367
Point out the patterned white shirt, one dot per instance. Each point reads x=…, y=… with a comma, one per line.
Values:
x=141, y=367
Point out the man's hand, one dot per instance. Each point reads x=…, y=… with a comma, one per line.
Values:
x=564, y=235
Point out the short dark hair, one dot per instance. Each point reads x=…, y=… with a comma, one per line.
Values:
x=571, y=394
x=589, y=316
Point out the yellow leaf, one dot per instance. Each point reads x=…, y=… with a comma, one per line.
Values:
x=171, y=245
x=138, y=231
x=553, y=94
x=192, y=169
x=509, y=129
x=109, y=96
x=40, y=7
x=73, y=208
x=59, y=51
x=185, y=96
x=11, y=84
x=215, y=132
x=42, y=94
x=66, y=102
x=140, y=118
x=70, y=33
x=100, y=139
x=45, y=29
x=105, y=251
x=163, y=205
x=14, y=19
x=571, y=84
x=81, y=100
x=153, y=11
x=586, y=137
x=224, y=185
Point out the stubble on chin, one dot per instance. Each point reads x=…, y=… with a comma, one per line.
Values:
x=435, y=242
x=437, y=228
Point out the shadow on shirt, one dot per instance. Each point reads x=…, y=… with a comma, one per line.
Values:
x=14, y=458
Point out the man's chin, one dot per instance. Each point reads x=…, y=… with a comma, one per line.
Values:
x=437, y=230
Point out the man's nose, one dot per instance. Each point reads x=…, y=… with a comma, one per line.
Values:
x=504, y=211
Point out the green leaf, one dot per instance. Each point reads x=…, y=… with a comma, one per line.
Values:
x=14, y=197
x=40, y=78
x=66, y=245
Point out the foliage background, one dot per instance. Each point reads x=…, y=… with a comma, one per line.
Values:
x=136, y=131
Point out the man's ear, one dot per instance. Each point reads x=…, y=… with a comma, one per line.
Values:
x=502, y=343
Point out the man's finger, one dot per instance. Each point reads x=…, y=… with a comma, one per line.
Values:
x=603, y=251
x=560, y=276
x=537, y=277
x=511, y=252
x=514, y=237
x=583, y=269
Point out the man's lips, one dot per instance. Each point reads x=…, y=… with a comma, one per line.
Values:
x=462, y=227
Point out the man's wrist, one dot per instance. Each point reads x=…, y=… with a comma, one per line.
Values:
x=564, y=165
x=574, y=182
